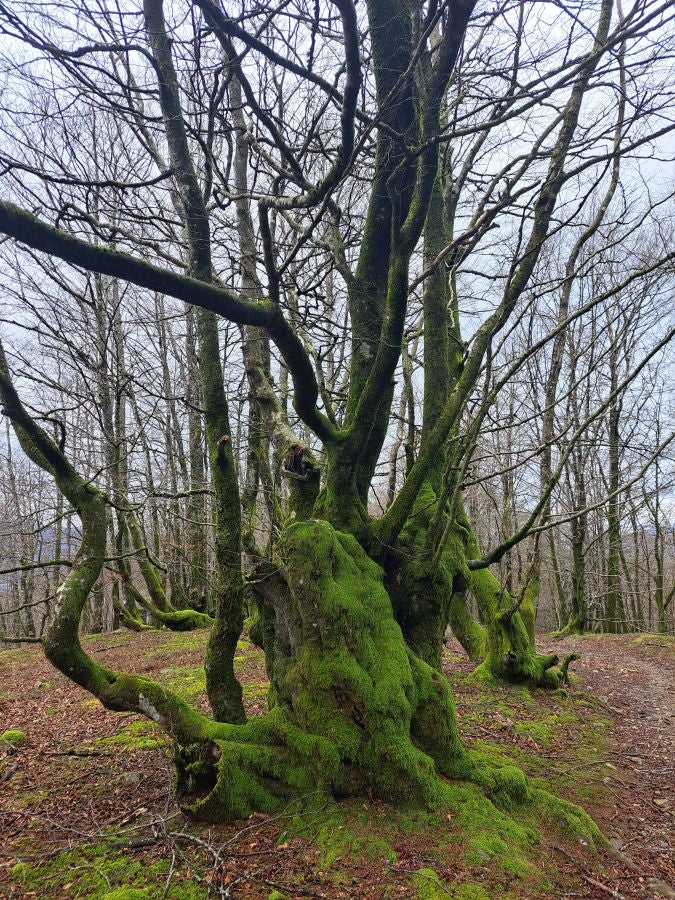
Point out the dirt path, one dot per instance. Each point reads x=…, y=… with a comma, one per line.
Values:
x=638, y=692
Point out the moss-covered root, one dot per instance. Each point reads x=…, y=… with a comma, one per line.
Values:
x=512, y=658
x=509, y=788
x=183, y=619
x=532, y=670
x=511, y=655
x=564, y=666
x=574, y=626
x=128, y=620
x=568, y=817
x=238, y=769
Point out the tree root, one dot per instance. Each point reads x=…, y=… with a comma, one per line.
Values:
x=564, y=674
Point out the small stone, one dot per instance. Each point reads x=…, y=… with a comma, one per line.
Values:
x=130, y=778
x=661, y=802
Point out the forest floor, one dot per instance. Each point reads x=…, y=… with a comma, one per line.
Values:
x=86, y=807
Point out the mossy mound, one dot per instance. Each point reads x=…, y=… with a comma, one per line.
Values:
x=13, y=737
x=354, y=710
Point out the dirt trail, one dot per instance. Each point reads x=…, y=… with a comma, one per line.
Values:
x=638, y=691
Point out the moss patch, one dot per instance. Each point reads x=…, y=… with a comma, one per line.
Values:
x=661, y=640
x=183, y=641
x=486, y=834
x=188, y=681
x=139, y=735
x=343, y=832
x=429, y=886
x=14, y=737
x=99, y=871
x=32, y=798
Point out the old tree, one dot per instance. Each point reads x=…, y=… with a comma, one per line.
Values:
x=376, y=196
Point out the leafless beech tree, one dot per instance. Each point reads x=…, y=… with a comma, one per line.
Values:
x=344, y=317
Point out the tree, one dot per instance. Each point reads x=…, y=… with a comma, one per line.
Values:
x=351, y=608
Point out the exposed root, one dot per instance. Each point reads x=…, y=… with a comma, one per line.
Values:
x=564, y=674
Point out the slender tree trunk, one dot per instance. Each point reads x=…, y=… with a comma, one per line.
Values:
x=614, y=614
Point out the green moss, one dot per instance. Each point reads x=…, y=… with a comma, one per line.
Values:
x=428, y=886
x=468, y=891
x=540, y=732
x=568, y=818
x=13, y=737
x=347, y=834
x=183, y=620
x=363, y=691
x=256, y=690
x=32, y=798
x=662, y=640
x=126, y=893
x=579, y=714
x=544, y=730
x=253, y=655
x=183, y=641
x=140, y=735
x=19, y=871
x=482, y=675
x=489, y=834
x=187, y=681
x=120, y=637
x=98, y=871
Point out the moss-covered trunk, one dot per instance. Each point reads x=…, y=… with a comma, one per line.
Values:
x=353, y=706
